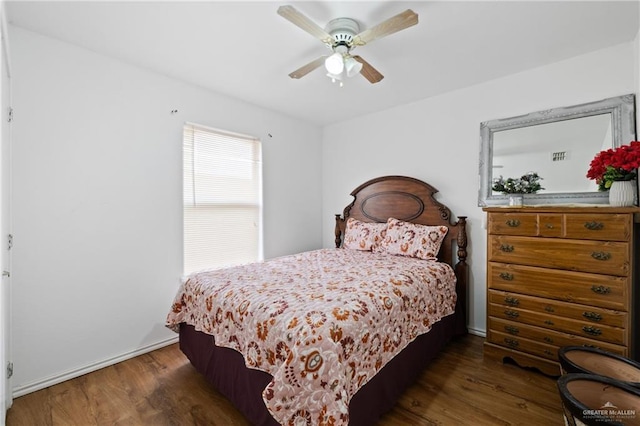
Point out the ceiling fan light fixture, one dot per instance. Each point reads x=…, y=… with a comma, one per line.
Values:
x=334, y=64
x=352, y=66
x=336, y=78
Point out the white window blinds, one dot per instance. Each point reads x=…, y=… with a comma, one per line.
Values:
x=222, y=198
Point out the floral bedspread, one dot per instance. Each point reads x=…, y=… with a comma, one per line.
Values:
x=322, y=323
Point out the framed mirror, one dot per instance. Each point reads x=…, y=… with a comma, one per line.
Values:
x=558, y=144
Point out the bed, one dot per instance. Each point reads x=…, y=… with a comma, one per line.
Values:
x=333, y=336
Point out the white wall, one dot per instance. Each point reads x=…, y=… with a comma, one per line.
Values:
x=437, y=140
x=98, y=202
x=5, y=178
x=636, y=74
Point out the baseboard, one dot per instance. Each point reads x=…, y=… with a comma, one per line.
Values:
x=77, y=372
x=476, y=332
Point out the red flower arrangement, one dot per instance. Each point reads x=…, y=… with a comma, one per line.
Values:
x=616, y=164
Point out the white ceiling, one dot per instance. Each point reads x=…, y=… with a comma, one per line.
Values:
x=245, y=50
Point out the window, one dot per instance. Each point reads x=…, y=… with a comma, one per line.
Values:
x=222, y=198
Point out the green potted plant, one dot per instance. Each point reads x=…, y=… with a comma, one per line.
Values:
x=529, y=183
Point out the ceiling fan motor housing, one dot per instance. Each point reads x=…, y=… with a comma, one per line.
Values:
x=342, y=30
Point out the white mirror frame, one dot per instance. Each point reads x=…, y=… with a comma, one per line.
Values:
x=622, y=110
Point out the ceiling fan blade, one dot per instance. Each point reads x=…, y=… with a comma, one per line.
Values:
x=306, y=69
x=392, y=25
x=369, y=72
x=291, y=14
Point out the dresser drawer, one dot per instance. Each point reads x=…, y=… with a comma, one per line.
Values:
x=550, y=337
x=590, y=226
x=541, y=349
x=604, y=291
x=513, y=224
x=574, y=311
x=603, y=227
x=550, y=225
x=584, y=329
x=610, y=258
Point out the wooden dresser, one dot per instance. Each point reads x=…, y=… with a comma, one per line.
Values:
x=560, y=276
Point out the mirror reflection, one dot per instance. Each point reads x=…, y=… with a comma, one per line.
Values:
x=560, y=151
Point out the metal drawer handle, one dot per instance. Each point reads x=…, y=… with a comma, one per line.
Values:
x=511, y=314
x=592, y=316
x=594, y=226
x=506, y=276
x=514, y=223
x=549, y=308
x=600, y=289
x=511, y=329
x=511, y=342
x=506, y=248
x=601, y=255
x=592, y=330
x=548, y=352
x=549, y=225
x=548, y=322
x=513, y=301
x=548, y=339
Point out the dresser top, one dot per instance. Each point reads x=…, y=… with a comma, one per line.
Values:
x=562, y=208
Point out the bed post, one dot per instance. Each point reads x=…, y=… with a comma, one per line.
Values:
x=461, y=271
x=338, y=230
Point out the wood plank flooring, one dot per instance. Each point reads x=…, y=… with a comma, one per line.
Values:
x=161, y=388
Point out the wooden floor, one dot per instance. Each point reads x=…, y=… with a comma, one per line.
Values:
x=161, y=388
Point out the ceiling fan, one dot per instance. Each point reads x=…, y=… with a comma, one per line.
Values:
x=342, y=35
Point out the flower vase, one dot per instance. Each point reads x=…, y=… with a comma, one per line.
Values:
x=622, y=193
x=516, y=200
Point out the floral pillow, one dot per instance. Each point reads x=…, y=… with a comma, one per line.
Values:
x=363, y=235
x=413, y=240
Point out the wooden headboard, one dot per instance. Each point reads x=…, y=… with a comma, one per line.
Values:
x=411, y=200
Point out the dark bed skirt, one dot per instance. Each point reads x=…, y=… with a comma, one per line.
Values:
x=243, y=386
